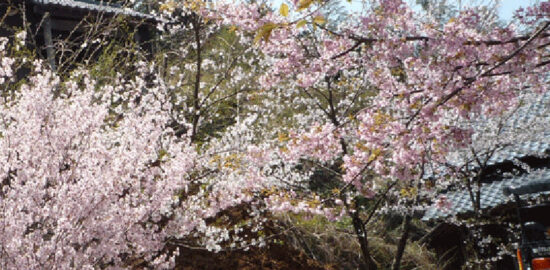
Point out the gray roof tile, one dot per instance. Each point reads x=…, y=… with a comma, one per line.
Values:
x=538, y=111
x=491, y=195
x=89, y=5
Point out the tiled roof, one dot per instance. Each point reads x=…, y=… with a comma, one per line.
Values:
x=491, y=195
x=90, y=5
x=532, y=117
x=523, y=149
x=539, y=111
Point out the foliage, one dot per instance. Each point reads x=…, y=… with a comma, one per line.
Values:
x=332, y=242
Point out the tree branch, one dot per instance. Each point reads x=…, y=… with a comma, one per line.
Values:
x=488, y=72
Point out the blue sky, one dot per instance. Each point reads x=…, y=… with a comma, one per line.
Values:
x=506, y=10
x=507, y=7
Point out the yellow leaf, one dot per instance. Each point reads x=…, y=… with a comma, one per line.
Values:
x=284, y=10
x=374, y=154
x=232, y=29
x=319, y=20
x=282, y=137
x=168, y=6
x=264, y=32
x=303, y=4
x=301, y=24
x=343, y=167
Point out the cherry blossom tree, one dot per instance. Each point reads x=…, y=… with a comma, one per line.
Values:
x=81, y=192
x=118, y=177
x=425, y=81
x=93, y=176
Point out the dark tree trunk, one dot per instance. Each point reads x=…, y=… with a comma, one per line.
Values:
x=50, y=51
x=361, y=233
x=196, y=103
x=396, y=265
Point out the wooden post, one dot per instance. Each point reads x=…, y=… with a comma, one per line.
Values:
x=50, y=52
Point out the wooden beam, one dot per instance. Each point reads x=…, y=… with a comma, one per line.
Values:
x=65, y=25
x=50, y=52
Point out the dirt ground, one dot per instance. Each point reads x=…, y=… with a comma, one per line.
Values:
x=275, y=256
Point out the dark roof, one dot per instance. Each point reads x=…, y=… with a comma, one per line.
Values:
x=528, y=188
x=491, y=195
x=90, y=5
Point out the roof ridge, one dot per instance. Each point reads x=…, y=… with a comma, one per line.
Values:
x=94, y=5
x=99, y=2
